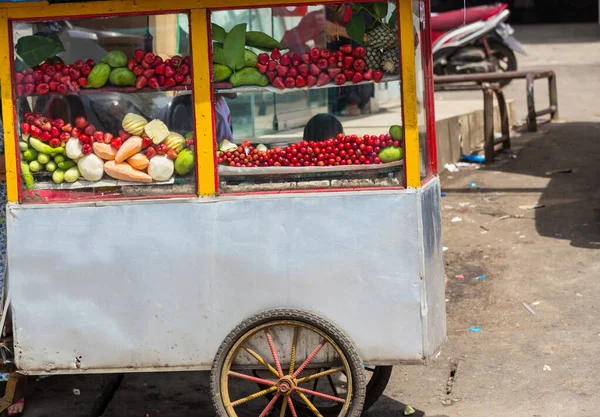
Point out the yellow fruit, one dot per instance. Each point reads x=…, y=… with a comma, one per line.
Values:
x=134, y=124
x=157, y=131
x=175, y=141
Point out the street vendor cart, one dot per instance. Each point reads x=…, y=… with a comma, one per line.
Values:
x=237, y=186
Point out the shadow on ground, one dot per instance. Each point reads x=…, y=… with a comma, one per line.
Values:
x=568, y=155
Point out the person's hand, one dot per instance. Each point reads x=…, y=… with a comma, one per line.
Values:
x=310, y=27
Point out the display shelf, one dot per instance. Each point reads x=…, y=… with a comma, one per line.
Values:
x=179, y=90
x=108, y=183
x=226, y=88
x=227, y=171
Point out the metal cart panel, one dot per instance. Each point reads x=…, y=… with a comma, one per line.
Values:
x=158, y=285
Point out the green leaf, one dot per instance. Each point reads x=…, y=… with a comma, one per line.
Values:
x=234, y=47
x=34, y=49
x=380, y=10
x=218, y=33
x=355, y=28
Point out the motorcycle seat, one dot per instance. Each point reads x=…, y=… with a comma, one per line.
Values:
x=443, y=22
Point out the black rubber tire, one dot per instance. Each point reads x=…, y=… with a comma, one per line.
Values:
x=377, y=384
x=504, y=53
x=334, y=332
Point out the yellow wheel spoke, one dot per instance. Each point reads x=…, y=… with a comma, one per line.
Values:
x=293, y=355
x=320, y=374
x=261, y=360
x=254, y=396
x=283, y=408
x=309, y=404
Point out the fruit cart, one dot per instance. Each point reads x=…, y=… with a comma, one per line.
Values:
x=237, y=186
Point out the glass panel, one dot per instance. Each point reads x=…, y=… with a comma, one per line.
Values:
x=308, y=97
x=104, y=107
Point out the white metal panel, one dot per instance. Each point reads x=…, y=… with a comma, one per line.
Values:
x=161, y=284
x=434, y=292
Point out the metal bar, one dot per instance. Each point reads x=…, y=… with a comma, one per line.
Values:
x=426, y=49
x=501, y=140
x=488, y=122
x=504, y=120
x=553, y=92
x=409, y=95
x=531, y=116
x=206, y=165
x=543, y=112
x=8, y=111
x=491, y=77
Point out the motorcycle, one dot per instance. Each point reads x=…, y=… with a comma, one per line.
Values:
x=474, y=40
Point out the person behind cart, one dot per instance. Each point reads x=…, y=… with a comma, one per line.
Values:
x=322, y=127
x=350, y=100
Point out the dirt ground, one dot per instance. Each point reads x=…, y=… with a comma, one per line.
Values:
x=520, y=364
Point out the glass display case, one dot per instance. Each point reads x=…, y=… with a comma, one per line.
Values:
x=307, y=97
x=104, y=107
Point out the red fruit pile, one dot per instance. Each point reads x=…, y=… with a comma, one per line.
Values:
x=343, y=150
x=57, y=133
x=319, y=67
x=153, y=72
x=53, y=77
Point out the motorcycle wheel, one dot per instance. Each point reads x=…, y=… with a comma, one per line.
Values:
x=505, y=59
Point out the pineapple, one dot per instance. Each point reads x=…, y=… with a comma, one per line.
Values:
x=373, y=59
x=390, y=61
x=382, y=37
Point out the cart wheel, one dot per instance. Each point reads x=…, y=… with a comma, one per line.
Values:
x=310, y=348
x=377, y=378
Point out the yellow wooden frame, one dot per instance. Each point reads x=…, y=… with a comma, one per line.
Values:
x=199, y=29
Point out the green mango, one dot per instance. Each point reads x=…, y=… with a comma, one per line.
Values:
x=222, y=72
x=184, y=162
x=99, y=76
x=248, y=76
x=396, y=132
x=122, y=77
x=261, y=41
x=115, y=59
x=250, y=58
x=391, y=154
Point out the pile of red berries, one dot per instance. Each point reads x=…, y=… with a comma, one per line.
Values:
x=319, y=67
x=154, y=72
x=343, y=150
x=53, y=77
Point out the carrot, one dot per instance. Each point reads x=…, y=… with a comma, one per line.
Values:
x=125, y=172
x=104, y=151
x=139, y=161
x=129, y=148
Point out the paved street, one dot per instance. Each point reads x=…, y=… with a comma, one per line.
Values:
x=520, y=364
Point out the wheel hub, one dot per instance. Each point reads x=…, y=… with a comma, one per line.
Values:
x=286, y=385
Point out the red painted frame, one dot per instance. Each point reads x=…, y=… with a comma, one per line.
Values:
x=427, y=58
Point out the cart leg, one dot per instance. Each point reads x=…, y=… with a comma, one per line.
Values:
x=15, y=383
x=112, y=384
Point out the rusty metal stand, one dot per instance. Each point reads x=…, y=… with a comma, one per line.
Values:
x=490, y=140
x=529, y=76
